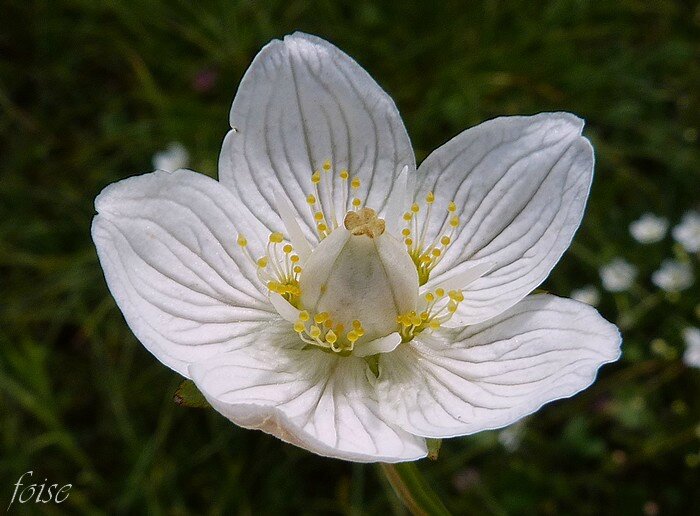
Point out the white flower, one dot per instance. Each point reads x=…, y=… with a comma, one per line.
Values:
x=618, y=275
x=673, y=276
x=327, y=292
x=173, y=158
x=691, y=357
x=511, y=437
x=687, y=233
x=649, y=228
x=588, y=294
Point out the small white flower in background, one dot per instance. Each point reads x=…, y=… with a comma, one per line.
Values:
x=618, y=275
x=687, y=233
x=691, y=357
x=673, y=276
x=328, y=292
x=511, y=437
x=173, y=158
x=588, y=294
x=649, y=228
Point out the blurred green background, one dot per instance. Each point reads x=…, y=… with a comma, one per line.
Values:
x=90, y=90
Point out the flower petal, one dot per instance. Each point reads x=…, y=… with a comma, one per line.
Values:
x=380, y=345
x=489, y=375
x=306, y=397
x=167, y=245
x=520, y=185
x=301, y=103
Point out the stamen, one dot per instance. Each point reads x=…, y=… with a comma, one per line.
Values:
x=320, y=330
x=324, y=213
x=439, y=308
x=279, y=273
x=425, y=255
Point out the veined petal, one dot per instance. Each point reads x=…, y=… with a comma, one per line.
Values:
x=167, y=245
x=492, y=374
x=303, y=103
x=314, y=400
x=520, y=186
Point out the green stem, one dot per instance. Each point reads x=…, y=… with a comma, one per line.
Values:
x=412, y=489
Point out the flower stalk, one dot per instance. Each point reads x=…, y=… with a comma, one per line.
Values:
x=412, y=489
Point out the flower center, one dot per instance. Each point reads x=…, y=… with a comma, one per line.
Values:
x=359, y=277
x=360, y=284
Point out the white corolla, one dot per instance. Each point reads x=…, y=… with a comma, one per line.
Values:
x=327, y=292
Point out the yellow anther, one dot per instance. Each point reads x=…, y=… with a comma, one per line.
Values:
x=287, y=249
x=297, y=269
x=424, y=316
x=439, y=292
x=436, y=252
x=430, y=198
x=434, y=324
x=299, y=327
x=415, y=208
x=408, y=242
x=344, y=175
x=321, y=317
x=322, y=227
x=276, y=238
x=452, y=307
x=429, y=297
x=314, y=331
x=352, y=336
x=454, y=222
x=356, y=202
x=311, y=199
x=294, y=258
x=262, y=262
x=304, y=316
x=340, y=328
x=415, y=320
x=407, y=216
x=331, y=337
x=445, y=240
x=356, y=324
x=405, y=232
x=425, y=259
x=355, y=183
x=242, y=241
x=318, y=216
x=326, y=165
x=452, y=207
x=316, y=177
